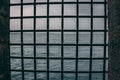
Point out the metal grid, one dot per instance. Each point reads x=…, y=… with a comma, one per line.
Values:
x=95, y=67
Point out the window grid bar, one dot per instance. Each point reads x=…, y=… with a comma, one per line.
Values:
x=34, y=25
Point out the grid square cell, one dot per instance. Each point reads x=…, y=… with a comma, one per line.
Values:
x=15, y=64
x=55, y=9
x=97, y=76
x=15, y=11
x=28, y=10
x=97, y=65
x=15, y=51
x=55, y=76
x=84, y=37
x=41, y=37
x=55, y=23
x=15, y=37
x=84, y=10
x=41, y=51
x=98, y=38
x=41, y=23
x=28, y=64
x=41, y=76
x=68, y=76
x=83, y=76
x=70, y=23
x=41, y=64
x=15, y=24
x=17, y=74
x=41, y=10
x=28, y=75
x=69, y=65
x=27, y=24
x=55, y=51
x=69, y=38
x=98, y=9
x=69, y=9
x=83, y=65
x=28, y=51
x=69, y=51
x=28, y=37
x=54, y=65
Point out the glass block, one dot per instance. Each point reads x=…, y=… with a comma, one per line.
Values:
x=28, y=10
x=83, y=76
x=41, y=51
x=28, y=24
x=107, y=51
x=41, y=76
x=41, y=23
x=16, y=75
x=84, y=51
x=27, y=37
x=28, y=51
x=28, y=64
x=98, y=9
x=41, y=37
x=15, y=37
x=84, y=37
x=70, y=23
x=98, y=23
x=55, y=76
x=55, y=0
x=15, y=24
x=69, y=65
x=84, y=23
x=55, y=23
x=70, y=37
x=70, y=51
x=83, y=65
x=68, y=76
x=54, y=37
x=41, y=10
x=28, y=1
x=15, y=51
x=97, y=65
x=15, y=11
x=14, y=1
x=98, y=51
x=55, y=51
x=84, y=10
x=70, y=9
x=97, y=76
x=98, y=38
x=28, y=75
x=15, y=64
x=84, y=0
x=55, y=9
x=106, y=76
x=54, y=65
x=41, y=64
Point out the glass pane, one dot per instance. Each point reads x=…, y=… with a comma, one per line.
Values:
x=15, y=37
x=16, y=75
x=97, y=65
x=41, y=76
x=41, y=23
x=68, y=76
x=69, y=51
x=55, y=9
x=15, y=51
x=83, y=65
x=14, y=1
x=41, y=51
x=41, y=37
x=69, y=65
x=84, y=9
x=98, y=23
x=70, y=23
x=15, y=64
x=84, y=23
x=83, y=76
x=28, y=24
x=97, y=76
x=55, y=76
x=84, y=38
x=28, y=37
x=84, y=51
x=41, y=10
x=69, y=9
x=41, y=64
x=55, y=65
x=15, y=11
x=69, y=37
x=28, y=64
x=15, y=24
x=55, y=51
x=28, y=76
x=28, y=51
x=55, y=23
x=28, y=1
x=98, y=38
x=98, y=9
x=28, y=10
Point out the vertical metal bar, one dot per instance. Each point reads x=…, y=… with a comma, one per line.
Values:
x=62, y=39
x=22, y=40
x=35, y=40
x=77, y=38
x=91, y=42
x=105, y=34
x=47, y=39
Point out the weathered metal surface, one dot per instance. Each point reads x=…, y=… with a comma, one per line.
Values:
x=4, y=54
